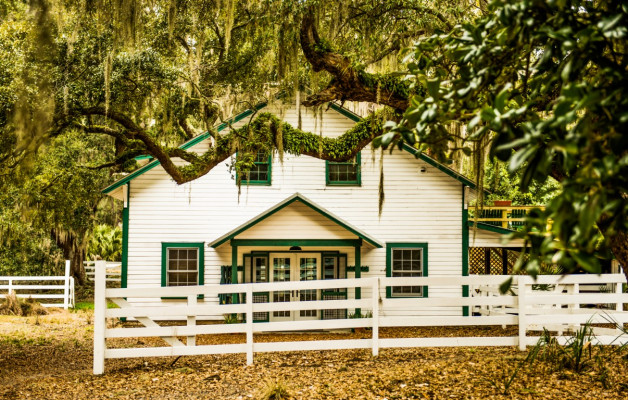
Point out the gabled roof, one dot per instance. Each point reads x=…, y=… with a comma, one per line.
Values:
x=354, y=117
x=184, y=146
x=415, y=152
x=283, y=204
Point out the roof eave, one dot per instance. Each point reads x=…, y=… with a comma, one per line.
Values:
x=286, y=202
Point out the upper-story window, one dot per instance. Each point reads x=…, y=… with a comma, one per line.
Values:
x=344, y=173
x=260, y=172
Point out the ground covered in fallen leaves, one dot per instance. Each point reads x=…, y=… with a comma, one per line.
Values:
x=50, y=357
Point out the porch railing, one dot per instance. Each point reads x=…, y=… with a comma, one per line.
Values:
x=509, y=217
x=527, y=308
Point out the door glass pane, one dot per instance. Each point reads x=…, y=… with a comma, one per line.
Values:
x=307, y=272
x=281, y=273
x=260, y=269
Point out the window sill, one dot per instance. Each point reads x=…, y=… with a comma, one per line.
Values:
x=354, y=184
x=256, y=183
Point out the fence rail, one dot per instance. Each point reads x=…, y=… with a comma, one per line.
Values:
x=526, y=309
x=113, y=268
x=59, y=294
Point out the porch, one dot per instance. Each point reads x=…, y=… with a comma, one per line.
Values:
x=309, y=243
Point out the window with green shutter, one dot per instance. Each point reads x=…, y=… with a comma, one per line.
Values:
x=344, y=173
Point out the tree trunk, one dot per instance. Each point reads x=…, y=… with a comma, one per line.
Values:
x=618, y=242
x=73, y=251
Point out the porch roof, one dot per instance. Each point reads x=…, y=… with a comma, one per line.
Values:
x=281, y=205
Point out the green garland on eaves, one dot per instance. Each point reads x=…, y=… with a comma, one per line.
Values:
x=268, y=133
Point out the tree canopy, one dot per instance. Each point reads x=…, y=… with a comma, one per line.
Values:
x=540, y=84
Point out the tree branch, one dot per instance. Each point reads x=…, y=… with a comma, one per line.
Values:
x=349, y=83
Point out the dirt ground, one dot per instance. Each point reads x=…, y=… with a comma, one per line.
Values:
x=50, y=357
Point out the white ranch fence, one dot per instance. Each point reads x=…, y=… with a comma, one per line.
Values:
x=113, y=268
x=528, y=310
x=58, y=291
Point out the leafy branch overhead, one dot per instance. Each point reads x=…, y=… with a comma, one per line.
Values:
x=545, y=84
x=265, y=134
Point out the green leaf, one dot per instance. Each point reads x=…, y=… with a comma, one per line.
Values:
x=505, y=286
x=433, y=86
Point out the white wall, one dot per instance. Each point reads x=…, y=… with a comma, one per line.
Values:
x=419, y=207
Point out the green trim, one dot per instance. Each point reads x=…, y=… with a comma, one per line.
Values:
x=234, y=271
x=441, y=167
x=124, y=269
x=357, y=182
x=465, y=249
x=389, y=247
x=282, y=205
x=267, y=182
x=296, y=242
x=490, y=228
x=363, y=268
x=184, y=146
x=352, y=116
x=182, y=245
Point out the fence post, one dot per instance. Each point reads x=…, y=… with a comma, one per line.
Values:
x=72, y=296
x=10, y=286
x=100, y=307
x=522, y=281
x=66, y=285
x=249, y=324
x=619, y=290
x=375, y=327
x=192, y=300
x=576, y=290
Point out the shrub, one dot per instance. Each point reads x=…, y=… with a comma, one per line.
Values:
x=12, y=305
x=275, y=390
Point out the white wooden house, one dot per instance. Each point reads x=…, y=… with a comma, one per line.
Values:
x=301, y=219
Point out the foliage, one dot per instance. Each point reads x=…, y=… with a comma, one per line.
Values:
x=106, y=243
x=275, y=389
x=505, y=186
x=12, y=305
x=231, y=318
x=544, y=83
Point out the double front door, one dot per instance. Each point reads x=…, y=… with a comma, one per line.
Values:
x=294, y=267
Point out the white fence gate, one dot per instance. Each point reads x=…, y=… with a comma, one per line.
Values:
x=113, y=270
x=528, y=310
x=57, y=290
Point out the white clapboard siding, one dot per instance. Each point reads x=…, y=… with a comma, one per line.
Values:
x=528, y=309
x=419, y=207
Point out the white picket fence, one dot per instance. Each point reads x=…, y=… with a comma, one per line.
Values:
x=57, y=290
x=113, y=268
x=528, y=309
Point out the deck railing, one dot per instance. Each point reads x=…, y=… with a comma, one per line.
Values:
x=57, y=291
x=509, y=217
x=526, y=309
